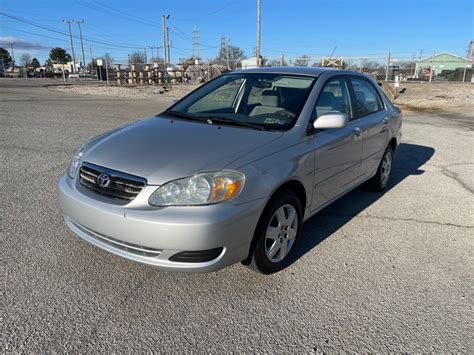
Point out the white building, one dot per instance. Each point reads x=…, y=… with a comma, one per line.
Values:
x=249, y=63
x=67, y=66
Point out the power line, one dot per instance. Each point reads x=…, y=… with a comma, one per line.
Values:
x=206, y=15
x=65, y=34
x=116, y=13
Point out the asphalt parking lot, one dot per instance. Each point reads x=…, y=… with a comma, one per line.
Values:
x=386, y=272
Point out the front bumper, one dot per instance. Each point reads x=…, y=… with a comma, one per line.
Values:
x=153, y=235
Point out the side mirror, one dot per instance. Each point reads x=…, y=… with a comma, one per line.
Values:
x=331, y=120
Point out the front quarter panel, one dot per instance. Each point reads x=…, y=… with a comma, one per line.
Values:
x=267, y=174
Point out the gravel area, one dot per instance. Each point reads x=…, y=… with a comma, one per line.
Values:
x=144, y=91
x=377, y=273
x=436, y=96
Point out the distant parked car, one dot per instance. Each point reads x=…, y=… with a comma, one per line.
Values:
x=230, y=172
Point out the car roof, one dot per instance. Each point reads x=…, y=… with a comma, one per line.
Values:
x=310, y=71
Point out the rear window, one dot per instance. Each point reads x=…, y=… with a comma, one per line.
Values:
x=367, y=98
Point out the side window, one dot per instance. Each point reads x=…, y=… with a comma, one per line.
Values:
x=220, y=99
x=334, y=98
x=367, y=98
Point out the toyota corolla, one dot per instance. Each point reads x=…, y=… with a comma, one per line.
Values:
x=230, y=172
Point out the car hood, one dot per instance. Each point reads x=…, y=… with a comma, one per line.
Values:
x=162, y=149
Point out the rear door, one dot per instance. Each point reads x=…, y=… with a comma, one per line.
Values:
x=337, y=152
x=373, y=123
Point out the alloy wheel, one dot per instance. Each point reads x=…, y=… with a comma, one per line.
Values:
x=281, y=233
x=386, y=168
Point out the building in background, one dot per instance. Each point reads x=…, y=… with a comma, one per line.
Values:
x=57, y=67
x=442, y=64
x=249, y=63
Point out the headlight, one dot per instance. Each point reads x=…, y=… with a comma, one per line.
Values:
x=200, y=189
x=75, y=163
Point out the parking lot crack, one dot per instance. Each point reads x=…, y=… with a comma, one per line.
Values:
x=403, y=219
x=451, y=174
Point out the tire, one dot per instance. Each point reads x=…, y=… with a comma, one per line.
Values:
x=381, y=179
x=279, y=227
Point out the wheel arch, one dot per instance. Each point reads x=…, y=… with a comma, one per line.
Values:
x=393, y=144
x=292, y=185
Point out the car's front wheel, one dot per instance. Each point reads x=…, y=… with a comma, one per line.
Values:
x=277, y=234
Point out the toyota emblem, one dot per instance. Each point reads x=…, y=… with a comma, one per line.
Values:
x=103, y=180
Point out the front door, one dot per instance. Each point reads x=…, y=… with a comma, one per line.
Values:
x=337, y=152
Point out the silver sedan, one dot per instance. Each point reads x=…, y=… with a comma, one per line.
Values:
x=230, y=172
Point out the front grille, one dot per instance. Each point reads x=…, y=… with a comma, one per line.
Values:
x=118, y=185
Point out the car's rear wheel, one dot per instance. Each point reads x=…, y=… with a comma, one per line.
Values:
x=277, y=234
x=380, y=181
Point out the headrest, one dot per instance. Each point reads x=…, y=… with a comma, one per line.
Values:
x=360, y=95
x=270, y=98
x=326, y=99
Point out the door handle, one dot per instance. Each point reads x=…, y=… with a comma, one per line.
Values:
x=356, y=132
x=386, y=120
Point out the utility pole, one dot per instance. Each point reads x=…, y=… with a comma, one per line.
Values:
x=431, y=65
x=169, y=44
x=72, y=44
x=413, y=65
x=195, y=43
x=419, y=59
x=258, y=32
x=282, y=60
x=92, y=60
x=13, y=55
x=223, y=46
x=388, y=65
x=164, y=17
x=465, y=71
x=146, y=59
x=153, y=53
x=469, y=55
x=227, y=51
x=82, y=44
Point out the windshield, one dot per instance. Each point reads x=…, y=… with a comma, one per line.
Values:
x=264, y=101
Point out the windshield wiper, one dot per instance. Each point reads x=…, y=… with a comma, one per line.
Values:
x=213, y=120
x=184, y=115
x=234, y=122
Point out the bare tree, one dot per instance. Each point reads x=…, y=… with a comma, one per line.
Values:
x=302, y=61
x=107, y=58
x=25, y=59
x=137, y=58
x=369, y=65
x=274, y=63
